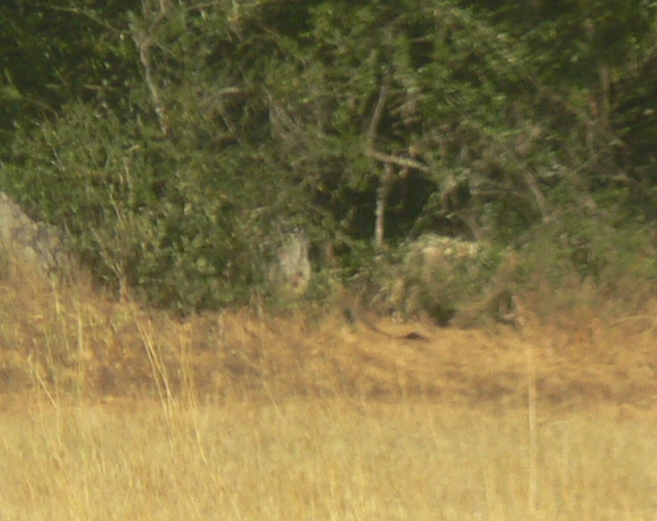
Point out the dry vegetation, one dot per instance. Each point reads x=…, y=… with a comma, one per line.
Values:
x=113, y=411
x=321, y=460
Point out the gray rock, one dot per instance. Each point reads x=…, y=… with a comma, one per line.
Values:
x=35, y=244
x=291, y=272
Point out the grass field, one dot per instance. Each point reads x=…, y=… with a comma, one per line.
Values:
x=322, y=460
x=111, y=411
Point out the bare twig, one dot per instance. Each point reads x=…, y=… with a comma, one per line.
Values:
x=378, y=112
x=143, y=41
x=538, y=195
x=86, y=13
x=398, y=160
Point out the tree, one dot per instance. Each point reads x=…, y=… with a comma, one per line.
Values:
x=175, y=140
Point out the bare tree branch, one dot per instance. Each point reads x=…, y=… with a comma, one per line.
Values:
x=399, y=161
x=143, y=41
x=378, y=111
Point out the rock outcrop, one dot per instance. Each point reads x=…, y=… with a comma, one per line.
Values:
x=290, y=273
x=34, y=244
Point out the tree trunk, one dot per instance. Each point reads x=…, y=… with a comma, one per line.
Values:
x=381, y=200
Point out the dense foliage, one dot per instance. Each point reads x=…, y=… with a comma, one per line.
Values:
x=178, y=141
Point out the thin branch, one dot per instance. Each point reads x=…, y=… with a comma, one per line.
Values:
x=536, y=192
x=86, y=14
x=378, y=111
x=397, y=160
x=143, y=42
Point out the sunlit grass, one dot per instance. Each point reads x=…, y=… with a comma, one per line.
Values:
x=110, y=410
x=320, y=460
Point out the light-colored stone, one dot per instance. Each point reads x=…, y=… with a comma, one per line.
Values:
x=290, y=273
x=33, y=244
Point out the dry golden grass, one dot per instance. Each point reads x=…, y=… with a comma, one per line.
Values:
x=321, y=459
x=75, y=340
x=110, y=411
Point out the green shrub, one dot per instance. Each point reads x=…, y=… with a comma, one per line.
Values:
x=161, y=216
